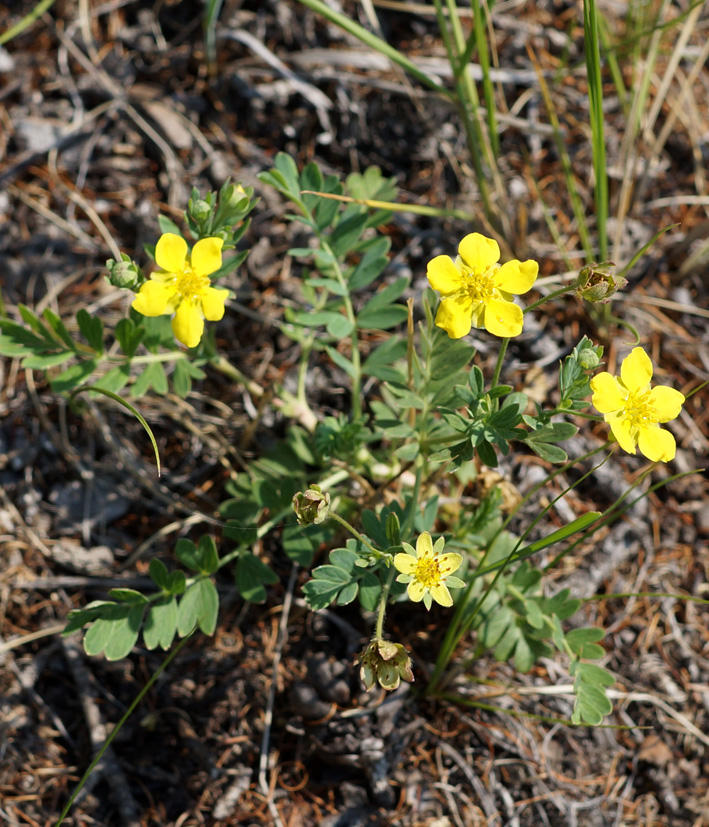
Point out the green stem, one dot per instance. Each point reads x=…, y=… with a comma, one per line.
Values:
x=383, y=599
x=553, y=295
x=498, y=365
x=353, y=531
x=99, y=755
x=223, y=365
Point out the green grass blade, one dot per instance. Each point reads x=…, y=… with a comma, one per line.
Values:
x=26, y=21
x=377, y=44
x=595, y=99
x=128, y=406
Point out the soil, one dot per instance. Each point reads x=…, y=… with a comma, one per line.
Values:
x=109, y=114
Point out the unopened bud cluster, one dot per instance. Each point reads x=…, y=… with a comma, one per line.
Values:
x=124, y=273
x=311, y=507
x=385, y=663
x=597, y=282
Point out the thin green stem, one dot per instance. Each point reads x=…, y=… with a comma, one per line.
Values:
x=383, y=599
x=139, y=697
x=498, y=365
x=550, y=297
x=353, y=531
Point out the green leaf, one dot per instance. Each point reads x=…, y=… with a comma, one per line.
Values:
x=343, y=559
x=524, y=656
x=199, y=606
x=73, y=376
x=167, y=225
x=386, y=296
x=33, y=321
x=297, y=545
x=116, y=632
x=590, y=684
x=550, y=453
x=341, y=361
x=188, y=554
x=114, y=380
x=158, y=573
x=495, y=626
x=176, y=582
x=348, y=594
x=38, y=362
x=209, y=557
x=250, y=576
x=345, y=236
x=371, y=265
x=408, y=452
x=92, y=330
x=58, y=327
x=160, y=624
x=382, y=318
x=129, y=336
x=152, y=377
x=127, y=596
x=370, y=589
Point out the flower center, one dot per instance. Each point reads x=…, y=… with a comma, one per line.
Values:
x=190, y=285
x=480, y=285
x=639, y=412
x=428, y=572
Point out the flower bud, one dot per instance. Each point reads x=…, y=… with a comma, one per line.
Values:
x=311, y=507
x=596, y=282
x=588, y=358
x=124, y=273
x=200, y=210
x=385, y=663
x=232, y=194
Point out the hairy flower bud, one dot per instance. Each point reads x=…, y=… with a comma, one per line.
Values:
x=200, y=210
x=124, y=273
x=385, y=663
x=596, y=282
x=311, y=506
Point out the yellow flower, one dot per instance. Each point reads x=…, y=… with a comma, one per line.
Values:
x=634, y=411
x=182, y=286
x=477, y=292
x=427, y=571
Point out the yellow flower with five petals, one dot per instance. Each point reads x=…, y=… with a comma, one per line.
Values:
x=634, y=410
x=182, y=286
x=476, y=291
x=428, y=572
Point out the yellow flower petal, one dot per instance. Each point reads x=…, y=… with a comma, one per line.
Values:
x=213, y=303
x=454, y=315
x=415, y=591
x=608, y=396
x=424, y=545
x=657, y=444
x=188, y=324
x=503, y=318
x=516, y=277
x=450, y=562
x=404, y=563
x=636, y=370
x=443, y=275
x=479, y=252
x=207, y=256
x=171, y=252
x=441, y=594
x=153, y=298
x=622, y=431
x=667, y=403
